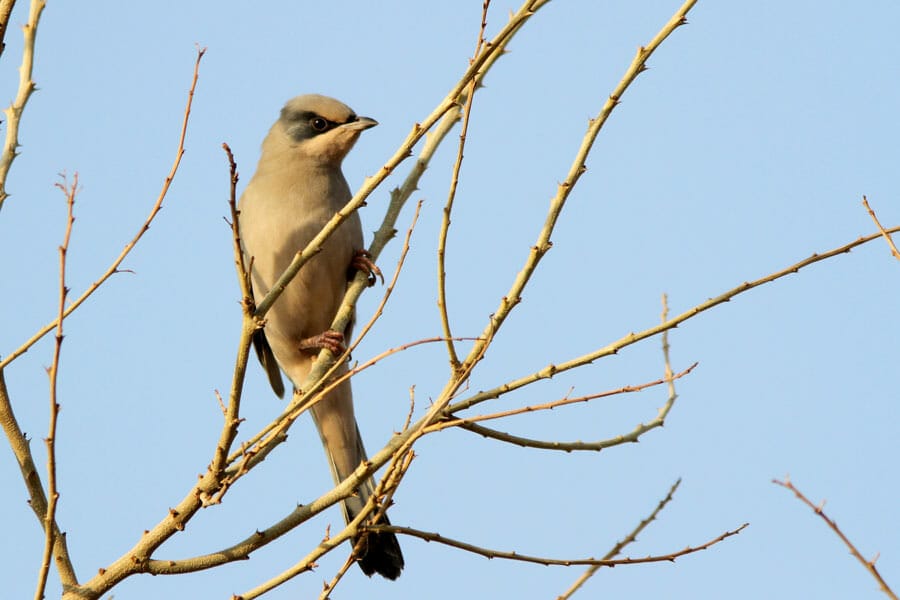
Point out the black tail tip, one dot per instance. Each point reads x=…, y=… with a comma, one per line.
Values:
x=379, y=553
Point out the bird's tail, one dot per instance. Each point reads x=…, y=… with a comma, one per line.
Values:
x=378, y=552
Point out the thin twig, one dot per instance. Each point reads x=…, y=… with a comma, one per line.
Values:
x=451, y=196
x=542, y=560
x=114, y=267
x=26, y=87
x=617, y=549
x=249, y=325
x=243, y=275
x=868, y=564
x=628, y=389
x=633, y=436
x=50, y=530
x=351, y=560
x=894, y=252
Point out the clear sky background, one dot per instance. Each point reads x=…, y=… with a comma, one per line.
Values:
x=746, y=147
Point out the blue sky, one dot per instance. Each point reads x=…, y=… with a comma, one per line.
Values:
x=747, y=146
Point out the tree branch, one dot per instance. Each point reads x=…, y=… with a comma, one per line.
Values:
x=617, y=549
x=868, y=564
x=130, y=245
x=628, y=389
x=26, y=87
x=541, y=560
x=451, y=195
x=49, y=523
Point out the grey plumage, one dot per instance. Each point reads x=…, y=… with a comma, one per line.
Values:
x=297, y=188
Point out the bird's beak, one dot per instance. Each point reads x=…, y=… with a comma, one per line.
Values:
x=361, y=124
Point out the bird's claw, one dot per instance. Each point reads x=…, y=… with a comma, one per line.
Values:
x=331, y=339
x=362, y=261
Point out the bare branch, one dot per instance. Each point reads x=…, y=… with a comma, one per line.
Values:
x=564, y=562
x=114, y=267
x=628, y=389
x=50, y=528
x=37, y=499
x=868, y=564
x=617, y=549
x=26, y=87
x=243, y=274
x=451, y=196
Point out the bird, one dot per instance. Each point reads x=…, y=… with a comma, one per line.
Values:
x=297, y=188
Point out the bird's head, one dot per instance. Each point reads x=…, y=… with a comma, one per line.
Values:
x=317, y=128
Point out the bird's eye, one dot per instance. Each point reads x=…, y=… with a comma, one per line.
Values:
x=319, y=124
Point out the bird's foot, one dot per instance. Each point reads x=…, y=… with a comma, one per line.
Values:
x=331, y=339
x=362, y=261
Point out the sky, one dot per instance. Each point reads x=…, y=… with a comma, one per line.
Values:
x=746, y=147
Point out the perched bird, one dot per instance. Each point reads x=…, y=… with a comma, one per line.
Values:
x=297, y=188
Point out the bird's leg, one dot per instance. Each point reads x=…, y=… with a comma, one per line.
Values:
x=362, y=261
x=331, y=339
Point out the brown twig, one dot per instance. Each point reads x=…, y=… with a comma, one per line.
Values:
x=868, y=564
x=541, y=560
x=451, y=196
x=114, y=267
x=50, y=529
x=632, y=436
x=628, y=389
x=327, y=588
x=894, y=252
x=617, y=549
x=249, y=325
x=240, y=265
